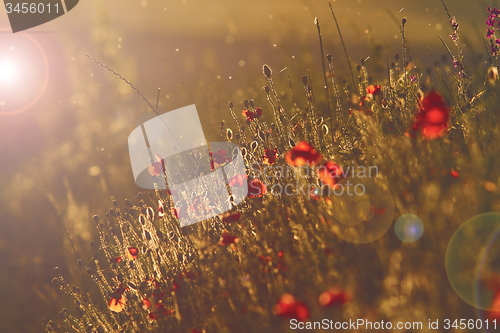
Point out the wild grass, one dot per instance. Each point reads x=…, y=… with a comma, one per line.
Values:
x=229, y=273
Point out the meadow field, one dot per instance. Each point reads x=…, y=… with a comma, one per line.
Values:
x=369, y=134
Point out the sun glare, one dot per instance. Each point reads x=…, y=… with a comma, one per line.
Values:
x=9, y=72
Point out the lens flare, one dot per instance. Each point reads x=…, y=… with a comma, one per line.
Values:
x=24, y=72
x=362, y=209
x=472, y=260
x=409, y=228
x=9, y=71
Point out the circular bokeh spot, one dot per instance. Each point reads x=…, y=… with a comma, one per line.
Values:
x=473, y=261
x=409, y=228
x=362, y=209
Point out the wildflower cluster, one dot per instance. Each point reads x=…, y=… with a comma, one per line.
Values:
x=493, y=24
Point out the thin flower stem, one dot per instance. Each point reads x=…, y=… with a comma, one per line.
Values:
x=343, y=46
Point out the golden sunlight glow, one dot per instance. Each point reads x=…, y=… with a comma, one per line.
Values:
x=9, y=71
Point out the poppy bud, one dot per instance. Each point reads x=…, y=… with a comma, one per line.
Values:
x=231, y=105
x=96, y=218
x=150, y=213
x=115, y=203
x=262, y=136
x=325, y=129
x=492, y=74
x=267, y=71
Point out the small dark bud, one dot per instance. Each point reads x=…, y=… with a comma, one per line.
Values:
x=115, y=203
x=304, y=80
x=150, y=213
x=96, y=218
x=329, y=57
x=245, y=102
x=128, y=203
x=252, y=103
x=267, y=90
x=267, y=71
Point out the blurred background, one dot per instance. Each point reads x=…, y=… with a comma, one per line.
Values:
x=64, y=120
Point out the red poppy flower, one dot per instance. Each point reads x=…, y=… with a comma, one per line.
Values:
x=252, y=115
x=333, y=297
x=494, y=308
x=146, y=304
x=256, y=188
x=266, y=259
x=116, y=305
x=179, y=212
x=115, y=260
x=227, y=238
x=289, y=307
x=303, y=153
x=156, y=168
x=132, y=253
x=454, y=173
x=237, y=180
x=117, y=300
x=330, y=173
x=372, y=89
x=361, y=108
x=432, y=118
x=221, y=156
x=231, y=218
x=269, y=157
x=161, y=209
